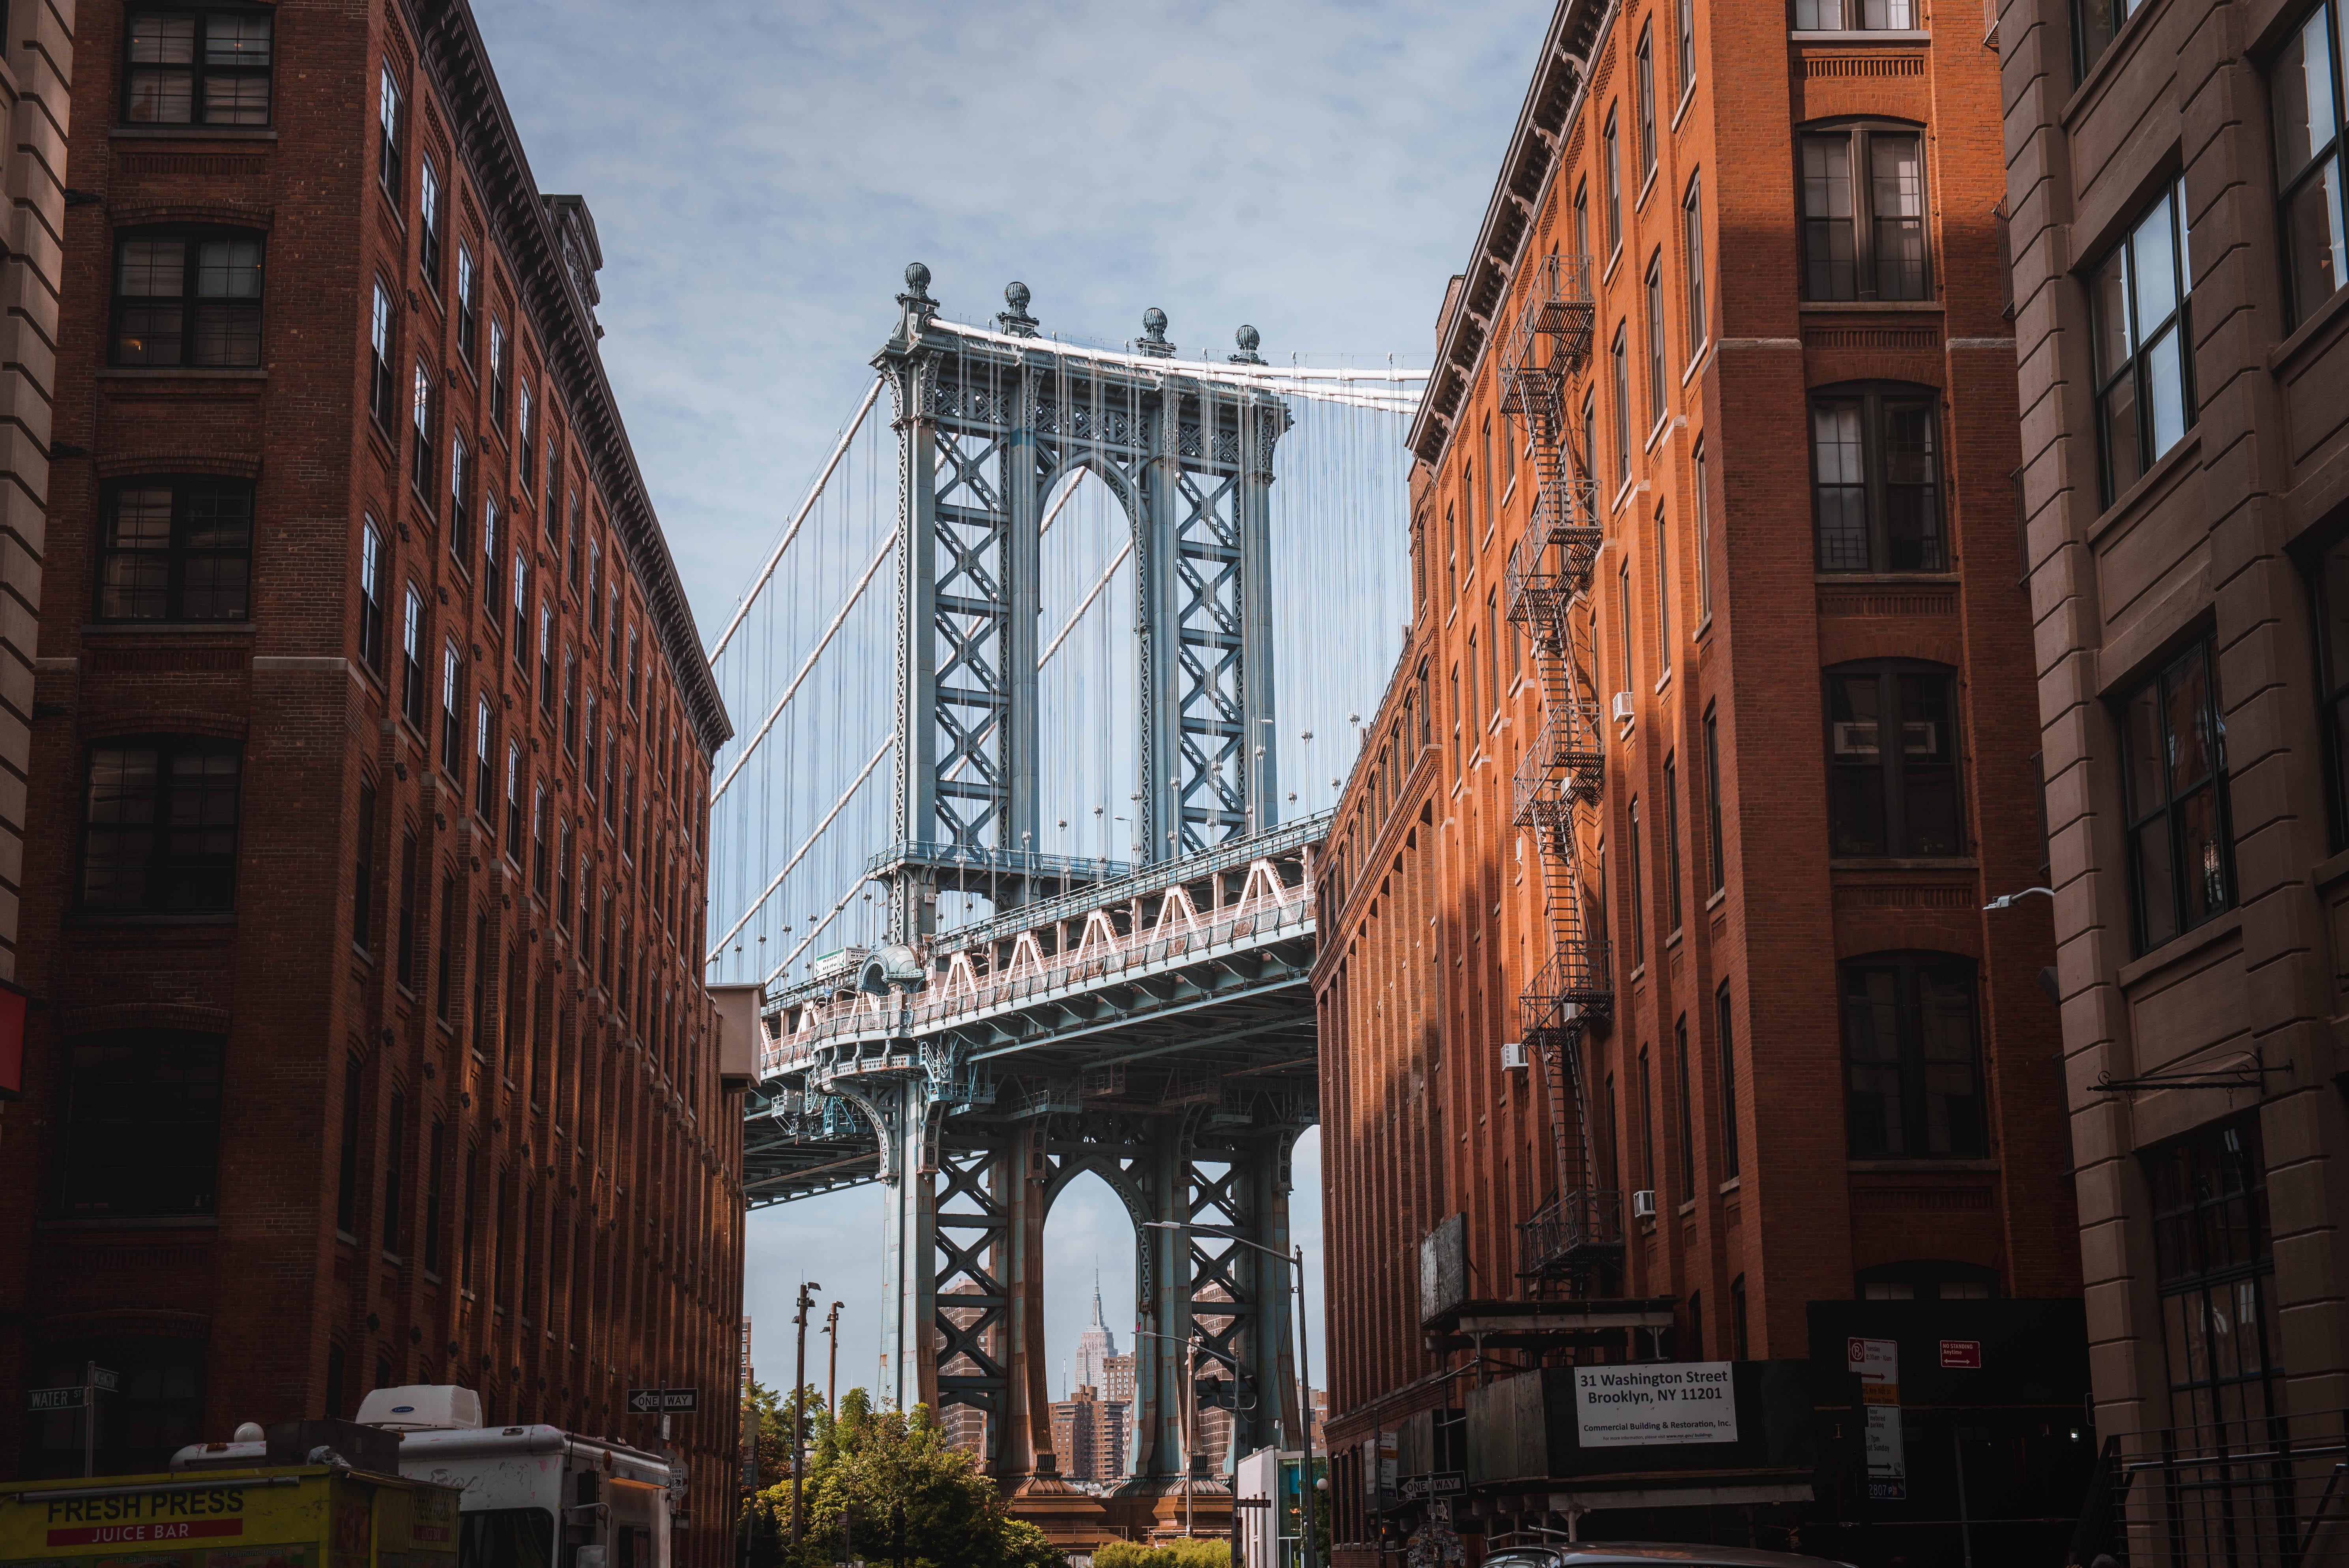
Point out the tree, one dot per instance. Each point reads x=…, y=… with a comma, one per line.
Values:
x=871, y=1468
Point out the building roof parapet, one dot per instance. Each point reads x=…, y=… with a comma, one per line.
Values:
x=1536, y=146
x=550, y=244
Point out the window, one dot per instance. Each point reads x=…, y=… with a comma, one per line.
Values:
x=2332, y=589
x=569, y=702
x=420, y=472
x=2143, y=374
x=498, y=374
x=1714, y=859
x=468, y=302
x=595, y=607
x=1876, y=483
x=188, y=297
x=546, y=657
x=1582, y=219
x=347, y=1183
x=379, y=381
x=1913, y=1071
x=538, y=845
x=1687, y=1098
x=1673, y=841
x=159, y=827
x=444, y=952
x=521, y=639
x=452, y=692
x=563, y=873
x=2305, y=94
x=435, y=1157
x=403, y=956
x=1622, y=360
x=1692, y=250
x=522, y=434
x=141, y=1125
x=428, y=249
x=612, y=612
x=2214, y=1262
x=1725, y=1035
x=2180, y=841
x=1663, y=597
x=1613, y=156
x=514, y=801
x=171, y=77
x=587, y=772
x=411, y=647
x=461, y=543
x=2095, y=24
x=387, y=115
x=1702, y=505
x=1623, y=621
x=1639, y=895
x=363, y=875
x=469, y=1198
x=1647, y=104
x=632, y=666
x=1656, y=338
x=1864, y=214
x=484, y=748
x=1855, y=15
x=372, y=595
x=1888, y=799
x=490, y=552
x=394, y=1175
x=176, y=549
x=1683, y=47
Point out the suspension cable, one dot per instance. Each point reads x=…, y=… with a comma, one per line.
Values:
x=777, y=712
x=800, y=853
x=815, y=493
x=813, y=931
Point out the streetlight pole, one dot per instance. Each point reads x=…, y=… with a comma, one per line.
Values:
x=832, y=1374
x=799, y=1415
x=1183, y=1410
x=1294, y=1259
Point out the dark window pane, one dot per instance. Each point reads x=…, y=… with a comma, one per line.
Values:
x=2124, y=453
x=1856, y=805
x=1830, y=266
x=1897, y=203
x=2202, y=854
x=1872, y=1042
x=1912, y=512
x=136, y=572
x=1839, y=452
x=2157, y=908
x=2191, y=747
x=1954, y=1108
x=2312, y=240
x=159, y=86
x=142, y=1125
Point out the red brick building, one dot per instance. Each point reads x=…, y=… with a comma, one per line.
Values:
x=363, y=902
x=1710, y=738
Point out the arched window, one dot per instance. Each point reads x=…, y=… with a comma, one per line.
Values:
x=1912, y=1058
x=1892, y=760
x=1864, y=212
x=1877, y=479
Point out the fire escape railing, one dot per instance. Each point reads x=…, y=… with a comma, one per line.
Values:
x=1544, y=348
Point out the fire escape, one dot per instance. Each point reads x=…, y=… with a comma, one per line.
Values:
x=1573, y=1245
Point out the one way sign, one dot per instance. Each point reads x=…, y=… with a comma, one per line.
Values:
x=652, y=1401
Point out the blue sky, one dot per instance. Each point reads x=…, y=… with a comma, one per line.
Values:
x=760, y=174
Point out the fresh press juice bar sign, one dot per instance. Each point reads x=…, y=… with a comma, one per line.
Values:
x=1672, y=1402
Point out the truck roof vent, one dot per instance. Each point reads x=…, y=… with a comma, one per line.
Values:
x=422, y=1408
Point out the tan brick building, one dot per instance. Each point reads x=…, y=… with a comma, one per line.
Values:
x=2174, y=173
x=362, y=900
x=1655, y=979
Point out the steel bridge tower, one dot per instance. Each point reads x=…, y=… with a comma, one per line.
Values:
x=990, y=422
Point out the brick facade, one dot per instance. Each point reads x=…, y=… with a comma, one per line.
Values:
x=2214, y=567
x=1731, y=622
x=469, y=1122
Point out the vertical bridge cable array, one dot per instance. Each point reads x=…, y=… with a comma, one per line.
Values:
x=802, y=797
x=1545, y=348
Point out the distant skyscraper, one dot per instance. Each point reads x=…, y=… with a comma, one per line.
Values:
x=1095, y=1348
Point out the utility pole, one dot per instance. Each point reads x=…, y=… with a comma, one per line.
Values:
x=1306, y=1487
x=832, y=1374
x=1190, y=1421
x=799, y=1415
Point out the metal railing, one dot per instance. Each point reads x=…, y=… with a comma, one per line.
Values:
x=1570, y=1232
x=1567, y=763
x=2254, y=1492
x=995, y=861
x=1576, y=984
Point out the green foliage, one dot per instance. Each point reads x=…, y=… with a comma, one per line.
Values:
x=885, y=1486
x=1199, y=1553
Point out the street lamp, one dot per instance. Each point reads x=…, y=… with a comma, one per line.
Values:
x=1294, y=1259
x=1183, y=1411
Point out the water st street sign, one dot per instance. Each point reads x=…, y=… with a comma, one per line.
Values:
x=39, y=1400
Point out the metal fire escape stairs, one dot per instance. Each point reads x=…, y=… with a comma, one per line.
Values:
x=1575, y=1244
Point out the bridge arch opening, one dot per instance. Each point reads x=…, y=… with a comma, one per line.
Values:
x=1089, y=675
x=1090, y=1318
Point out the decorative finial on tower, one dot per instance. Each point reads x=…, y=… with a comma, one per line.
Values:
x=1016, y=321
x=915, y=306
x=1152, y=340
x=1247, y=337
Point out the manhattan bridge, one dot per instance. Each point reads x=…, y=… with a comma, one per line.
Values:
x=1046, y=689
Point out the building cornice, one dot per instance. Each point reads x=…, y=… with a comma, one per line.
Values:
x=519, y=215
x=1536, y=146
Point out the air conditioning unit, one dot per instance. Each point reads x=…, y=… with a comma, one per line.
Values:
x=1513, y=1053
x=1644, y=1204
x=1622, y=707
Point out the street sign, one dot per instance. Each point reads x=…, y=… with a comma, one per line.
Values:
x=1877, y=1364
x=653, y=1402
x=1962, y=1355
x=38, y=1399
x=104, y=1381
x=1442, y=1483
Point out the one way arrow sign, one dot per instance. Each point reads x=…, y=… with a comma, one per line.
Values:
x=652, y=1401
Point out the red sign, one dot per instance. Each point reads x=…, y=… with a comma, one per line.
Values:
x=160, y=1530
x=12, y=1042
x=1964, y=1355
